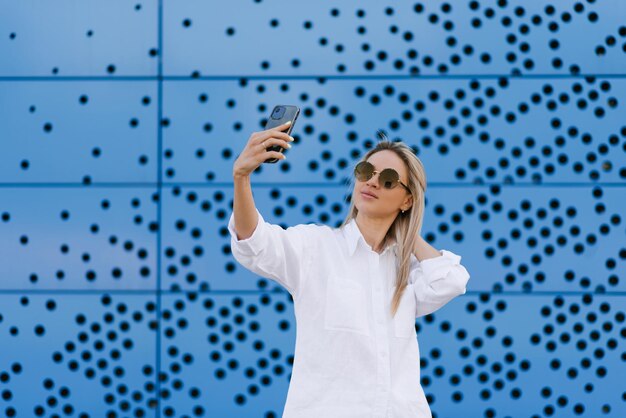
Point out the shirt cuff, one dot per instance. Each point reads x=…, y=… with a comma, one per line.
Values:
x=446, y=259
x=255, y=243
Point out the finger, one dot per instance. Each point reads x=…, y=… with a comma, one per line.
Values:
x=276, y=154
x=272, y=154
x=275, y=141
x=276, y=134
x=280, y=127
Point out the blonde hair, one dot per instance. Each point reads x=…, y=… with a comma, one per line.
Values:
x=407, y=226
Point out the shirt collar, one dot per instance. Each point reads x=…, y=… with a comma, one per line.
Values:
x=353, y=235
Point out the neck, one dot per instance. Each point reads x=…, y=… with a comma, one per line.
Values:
x=374, y=230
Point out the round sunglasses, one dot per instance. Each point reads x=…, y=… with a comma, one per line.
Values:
x=388, y=178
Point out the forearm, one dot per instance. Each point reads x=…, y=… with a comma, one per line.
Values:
x=243, y=207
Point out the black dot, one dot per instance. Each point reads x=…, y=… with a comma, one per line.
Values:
x=610, y=40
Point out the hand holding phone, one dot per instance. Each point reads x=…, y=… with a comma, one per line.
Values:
x=279, y=116
x=257, y=150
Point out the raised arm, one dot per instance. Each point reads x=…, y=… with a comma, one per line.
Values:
x=437, y=280
x=244, y=209
x=261, y=247
x=252, y=156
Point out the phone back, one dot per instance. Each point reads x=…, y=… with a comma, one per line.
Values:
x=280, y=115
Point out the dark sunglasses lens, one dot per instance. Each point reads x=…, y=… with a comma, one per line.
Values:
x=363, y=171
x=388, y=178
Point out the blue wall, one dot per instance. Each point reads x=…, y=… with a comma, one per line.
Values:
x=119, y=127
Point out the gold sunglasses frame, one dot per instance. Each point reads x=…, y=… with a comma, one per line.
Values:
x=376, y=171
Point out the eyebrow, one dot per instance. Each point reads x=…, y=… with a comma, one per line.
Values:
x=376, y=168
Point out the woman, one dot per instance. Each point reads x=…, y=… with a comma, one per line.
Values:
x=357, y=289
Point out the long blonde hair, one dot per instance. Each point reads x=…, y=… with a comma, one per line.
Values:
x=407, y=226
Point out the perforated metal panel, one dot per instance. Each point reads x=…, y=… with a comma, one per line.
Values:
x=119, y=128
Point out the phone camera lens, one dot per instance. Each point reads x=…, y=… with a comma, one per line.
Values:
x=278, y=112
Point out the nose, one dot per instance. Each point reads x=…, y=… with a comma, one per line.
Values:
x=373, y=182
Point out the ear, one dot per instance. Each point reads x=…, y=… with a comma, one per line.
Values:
x=408, y=202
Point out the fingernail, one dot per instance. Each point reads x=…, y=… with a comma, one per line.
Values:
x=288, y=145
x=292, y=138
x=288, y=122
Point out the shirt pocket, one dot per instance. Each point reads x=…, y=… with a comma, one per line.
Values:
x=346, y=306
x=404, y=321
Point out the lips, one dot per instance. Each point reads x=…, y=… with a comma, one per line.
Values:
x=369, y=194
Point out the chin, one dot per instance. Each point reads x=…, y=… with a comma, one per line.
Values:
x=367, y=211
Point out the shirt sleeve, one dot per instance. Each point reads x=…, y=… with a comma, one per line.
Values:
x=273, y=252
x=436, y=281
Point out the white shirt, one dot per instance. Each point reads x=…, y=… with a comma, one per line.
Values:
x=352, y=359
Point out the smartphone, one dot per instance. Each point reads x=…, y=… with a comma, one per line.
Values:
x=280, y=115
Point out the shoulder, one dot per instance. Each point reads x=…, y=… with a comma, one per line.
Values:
x=310, y=228
x=314, y=231
x=315, y=236
x=304, y=230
